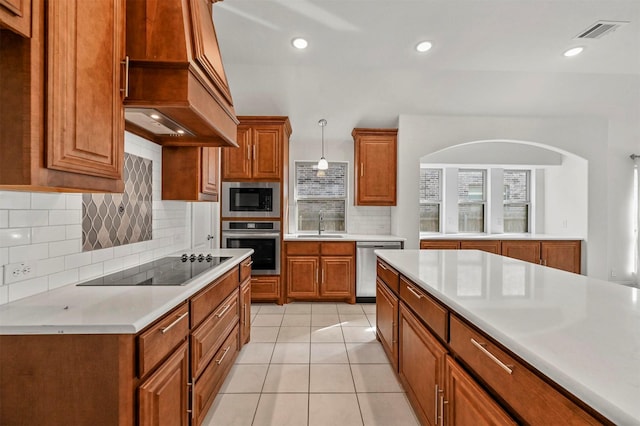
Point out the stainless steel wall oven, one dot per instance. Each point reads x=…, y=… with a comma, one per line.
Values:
x=261, y=236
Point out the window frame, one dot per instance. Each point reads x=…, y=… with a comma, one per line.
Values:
x=429, y=202
x=483, y=202
x=527, y=203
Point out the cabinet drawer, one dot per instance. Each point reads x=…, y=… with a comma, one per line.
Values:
x=305, y=248
x=535, y=401
x=207, y=386
x=431, y=312
x=208, y=337
x=337, y=249
x=207, y=300
x=160, y=339
x=389, y=275
x=245, y=269
x=265, y=288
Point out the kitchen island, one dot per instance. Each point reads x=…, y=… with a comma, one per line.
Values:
x=142, y=354
x=580, y=337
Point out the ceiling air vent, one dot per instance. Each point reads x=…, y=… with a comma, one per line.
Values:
x=600, y=28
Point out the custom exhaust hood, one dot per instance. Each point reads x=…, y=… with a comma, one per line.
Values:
x=177, y=90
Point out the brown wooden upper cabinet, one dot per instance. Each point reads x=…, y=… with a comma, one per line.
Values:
x=375, y=166
x=16, y=16
x=262, y=152
x=178, y=90
x=190, y=173
x=67, y=134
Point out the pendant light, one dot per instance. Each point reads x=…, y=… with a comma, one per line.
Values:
x=322, y=163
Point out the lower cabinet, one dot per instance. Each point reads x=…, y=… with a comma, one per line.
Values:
x=163, y=398
x=421, y=368
x=265, y=288
x=467, y=403
x=245, y=312
x=387, y=321
x=320, y=271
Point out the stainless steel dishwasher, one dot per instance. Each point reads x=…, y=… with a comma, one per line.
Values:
x=366, y=267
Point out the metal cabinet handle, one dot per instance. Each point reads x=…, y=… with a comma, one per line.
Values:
x=190, y=386
x=361, y=169
x=393, y=332
x=435, y=420
x=225, y=309
x=383, y=267
x=170, y=326
x=245, y=314
x=125, y=90
x=481, y=346
x=218, y=361
x=248, y=152
x=415, y=293
x=254, y=152
x=250, y=263
x=442, y=402
x=317, y=272
x=322, y=276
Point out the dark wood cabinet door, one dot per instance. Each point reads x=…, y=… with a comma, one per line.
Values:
x=245, y=312
x=265, y=288
x=85, y=115
x=529, y=251
x=375, y=166
x=303, y=276
x=163, y=397
x=469, y=404
x=563, y=255
x=210, y=172
x=16, y=15
x=492, y=246
x=236, y=162
x=439, y=244
x=387, y=321
x=337, y=277
x=421, y=367
x=265, y=152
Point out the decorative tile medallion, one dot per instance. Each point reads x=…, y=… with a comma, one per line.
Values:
x=110, y=220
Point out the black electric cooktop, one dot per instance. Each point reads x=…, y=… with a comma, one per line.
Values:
x=165, y=271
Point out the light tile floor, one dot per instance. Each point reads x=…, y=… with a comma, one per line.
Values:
x=312, y=364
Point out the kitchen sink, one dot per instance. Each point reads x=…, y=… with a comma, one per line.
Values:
x=315, y=236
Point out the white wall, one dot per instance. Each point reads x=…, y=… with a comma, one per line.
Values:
x=46, y=230
x=585, y=137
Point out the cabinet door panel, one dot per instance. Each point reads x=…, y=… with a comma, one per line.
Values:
x=236, y=162
x=265, y=288
x=210, y=169
x=376, y=166
x=16, y=15
x=163, y=397
x=266, y=153
x=563, y=255
x=302, y=276
x=85, y=116
x=245, y=312
x=421, y=366
x=439, y=245
x=492, y=246
x=529, y=251
x=337, y=277
x=468, y=403
x=387, y=321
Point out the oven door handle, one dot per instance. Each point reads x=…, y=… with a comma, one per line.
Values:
x=250, y=234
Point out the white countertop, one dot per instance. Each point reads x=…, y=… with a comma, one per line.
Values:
x=105, y=309
x=483, y=236
x=328, y=236
x=582, y=333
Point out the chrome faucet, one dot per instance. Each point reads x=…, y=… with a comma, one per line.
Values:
x=320, y=223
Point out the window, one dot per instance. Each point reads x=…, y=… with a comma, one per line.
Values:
x=516, y=201
x=430, y=199
x=471, y=200
x=317, y=193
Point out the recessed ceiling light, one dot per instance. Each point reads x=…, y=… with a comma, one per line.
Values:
x=180, y=131
x=155, y=116
x=574, y=51
x=423, y=46
x=299, y=43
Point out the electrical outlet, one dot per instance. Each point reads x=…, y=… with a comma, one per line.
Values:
x=14, y=272
x=614, y=274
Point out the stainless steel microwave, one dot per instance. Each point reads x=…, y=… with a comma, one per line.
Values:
x=251, y=199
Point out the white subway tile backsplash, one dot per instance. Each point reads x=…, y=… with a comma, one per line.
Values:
x=102, y=255
x=4, y=256
x=121, y=251
x=4, y=218
x=15, y=237
x=113, y=265
x=64, y=217
x=4, y=294
x=73, y=231
x=45, y=234
x=48, y=201
x=30, y=252
x=131, y=261
x=50, y=266
x=146, y=256
x=24, y=218
x=15, y=200
x=90, y=271
x=61, y=248
x=63, y=278
x=77, y=260
x=73, y=201
x=28, y=288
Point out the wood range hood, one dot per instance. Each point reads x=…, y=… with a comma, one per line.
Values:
x=178, y=93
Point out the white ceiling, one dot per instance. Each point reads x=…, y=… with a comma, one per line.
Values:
x=489, y=58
